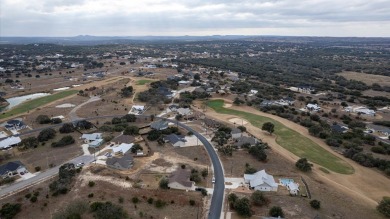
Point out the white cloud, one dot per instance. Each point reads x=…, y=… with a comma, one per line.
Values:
x=196, y=17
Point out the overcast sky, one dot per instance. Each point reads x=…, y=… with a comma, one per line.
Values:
x=195, y=17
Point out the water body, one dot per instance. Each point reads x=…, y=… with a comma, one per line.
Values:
x=14, y=101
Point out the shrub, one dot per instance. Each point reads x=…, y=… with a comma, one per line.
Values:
x=28, y=195
x=33, y=199
x=276, y=211
x=66, y=140
x=159, y=203
x=315, y=204
x=90, y=195
x=43, y=119
x=135, y=200
x=384, y=206
x=91, y=183
x=9, y=211
x=258, y=198
x=46, y=134
x=303, y=165
x=150, y=200
x=37, y=168
x=164, y=183
x=192, y=202
x=121, y=199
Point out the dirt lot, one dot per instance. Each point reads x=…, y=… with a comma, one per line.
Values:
x=369, y=79
x=177, y=201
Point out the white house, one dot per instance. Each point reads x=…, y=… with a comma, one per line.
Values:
x=88, y=138
x=184, y=111
x=365, y=111
x=9, y=142
x=261, y=181
x=293, y=188
x=137, y=109
x=122, y=148
x=313, y=107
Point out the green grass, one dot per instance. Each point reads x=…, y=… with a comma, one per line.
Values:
x=33, y=104
x=291, y=140
x=143, y=82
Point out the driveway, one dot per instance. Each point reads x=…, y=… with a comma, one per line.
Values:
x=234, y=183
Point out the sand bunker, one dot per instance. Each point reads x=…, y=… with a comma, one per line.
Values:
x=66, y=105
x=238, y=121
x=227, y=105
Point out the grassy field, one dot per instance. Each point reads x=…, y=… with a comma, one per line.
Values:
x=291, y=140
x=143, y=82
x=33, y=104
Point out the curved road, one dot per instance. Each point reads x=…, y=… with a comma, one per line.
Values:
x=219, y=185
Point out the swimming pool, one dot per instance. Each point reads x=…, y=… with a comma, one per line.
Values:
x=285, y=181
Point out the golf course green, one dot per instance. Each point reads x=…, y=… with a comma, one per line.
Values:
x=291, y=140
x=33, y=104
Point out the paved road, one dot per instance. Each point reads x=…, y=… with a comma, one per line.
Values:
x=4, y=192
x=73, y=113
x=219, y=185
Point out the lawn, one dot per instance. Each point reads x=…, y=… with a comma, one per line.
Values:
x=33, y=104
x=291, y=140
x=143, y=82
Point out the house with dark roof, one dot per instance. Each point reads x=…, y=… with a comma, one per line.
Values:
x=381, y=130
x=15, y=124
x=180, y=179
x=122, y=163
x=175, y=140
x=339, y=129
x=159, y=125
x=245, y=140
x=11, y=168
x=165, y=92
x=123, y=139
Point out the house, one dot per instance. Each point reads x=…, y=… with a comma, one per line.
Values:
x=88, y=138
x=11, y=168
x=165, y=92
x=267, y=103
x=288, y=101
x=173, y=107
x=339, y=129
x=236, y=133
x=96, y=143
x=379, y=129
x=9, y=142
x=253, y=92
x=313, y=107
x=184, y=111
x=123, y=139
x=159, y=125
x=245, y=140
x=122, y=148
x=211, y=123
x=175, y=140
x=123, y=163
x=293, y=188
x=364, y=110
x=183, y=82
x=199, y=90
x=180, y=179
x=137, y=109
x=261, y=181
x=15, y=125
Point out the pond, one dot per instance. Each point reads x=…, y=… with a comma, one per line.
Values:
x=14, y=101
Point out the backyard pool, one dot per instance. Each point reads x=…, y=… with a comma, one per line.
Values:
x=285, y=181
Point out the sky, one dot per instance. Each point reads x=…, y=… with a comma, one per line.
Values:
x=364, y=18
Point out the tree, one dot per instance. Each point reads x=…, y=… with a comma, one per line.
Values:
x=269, y=127
x=242, y=207
x=66, y=140
x=127, y=91
x=43, y=119
x=242, y=128
x=131, y=130
x=8, y=210
x=232, y=198
x=258, y=198
x=107, y=210
x=303, y=165
x=46, y=134
x=56, y=121
x=276, y=211
x=205, y=173
x=129, y=118
x=135, y=148
x=315, y=204
x=30, y=142
x=197, y=76
x=384, y=206
x=66, y=128
x=164, y=183
x=258, y=152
